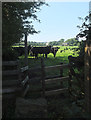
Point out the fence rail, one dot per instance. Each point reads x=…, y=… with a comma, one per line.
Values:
x=24, y=68
x=61, y=79
x=57, y=66
x=10, y=63
x=13, y=80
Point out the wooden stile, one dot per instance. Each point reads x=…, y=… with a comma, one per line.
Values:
x=12, y=79
x=54, y=92
x=7, y=81
x=49, y=81
x=24, y=68
x=25, y=80
x=53, y=80
x=57, y=66
x=61, y=75
x=10, y=72
x=43, y=77
x=10, y=63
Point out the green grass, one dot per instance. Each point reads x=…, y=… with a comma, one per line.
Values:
x=51, y=60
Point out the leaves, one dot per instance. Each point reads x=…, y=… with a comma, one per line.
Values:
x=17, y=19
x=84, y=27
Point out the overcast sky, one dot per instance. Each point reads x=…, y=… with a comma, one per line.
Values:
x=59, y=20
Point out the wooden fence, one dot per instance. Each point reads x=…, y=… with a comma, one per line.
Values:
x=14, y=78
x=60, y=79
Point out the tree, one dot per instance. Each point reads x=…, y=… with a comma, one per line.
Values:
x=84, y=30
x=17, y=20
x=72, y=42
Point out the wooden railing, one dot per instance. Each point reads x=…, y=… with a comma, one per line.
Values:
x=14, y=78
x=60, y=79
x=24, y=80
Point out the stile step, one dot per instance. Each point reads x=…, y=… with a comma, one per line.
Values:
x=57, y=91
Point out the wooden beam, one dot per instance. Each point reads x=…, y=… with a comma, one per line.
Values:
x=48, y=81
x=57, y=66
x=10, y=83
x=53, y=92
x=24, y=69
x=87, y=67
x=10, y=63
x=25, y=91
x=26, y=50
x=10, y=72
x=25, y=80
x=10, y=90
x=43, y=76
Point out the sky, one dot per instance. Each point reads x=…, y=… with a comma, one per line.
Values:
x=59, y=20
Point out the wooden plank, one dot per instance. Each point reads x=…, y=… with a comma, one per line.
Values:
x=43, y=76
x=25, y=91
x=25, y=80
x=24, y=69
x=10, y=82
x=61, y=75
x=10, y=63
x=57, y=66
x=10, y=72
x=53, y=92
x=48, y=81
x=10, y=90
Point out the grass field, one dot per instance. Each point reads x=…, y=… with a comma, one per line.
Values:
x=51, y=60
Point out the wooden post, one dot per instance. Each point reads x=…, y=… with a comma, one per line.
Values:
x=1, y=60
x=43, y=77
x=69, y=81
x=61, y=75
x=26, y=50
x=87, y=69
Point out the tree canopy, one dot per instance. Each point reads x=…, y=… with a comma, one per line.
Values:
x=72, y=42
x=17, y=19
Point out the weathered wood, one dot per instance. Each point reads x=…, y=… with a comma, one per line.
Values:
x=87, y=70
x=61, y=75
x=70, y=82
x=10, y=63
x=26, y=50
x=53, y=92
x=10, y=82
x=10, y=90
x=57, y=66
x=24, y=69
x=48, y=81
x=25, y=80
x=10, y=72
x=26, y=90
x=43, y=76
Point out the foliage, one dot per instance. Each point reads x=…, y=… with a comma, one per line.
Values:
x=84, y=28
x=84, y=31
x=17, y=20
x=72, y=42
x=37, y=43
x=52, y=43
